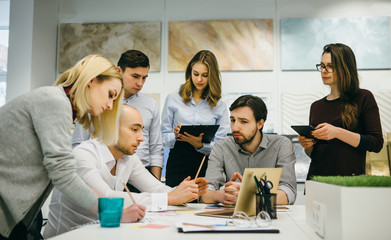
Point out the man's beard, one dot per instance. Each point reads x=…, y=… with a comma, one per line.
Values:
x=245, y=140
x=123, y=150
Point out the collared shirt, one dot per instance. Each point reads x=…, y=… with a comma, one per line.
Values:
x=150, y=150
x=274, y=151
x=193, y=114
x=94, y=162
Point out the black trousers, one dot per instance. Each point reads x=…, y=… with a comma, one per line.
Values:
x=20, y=231
x=184, y=161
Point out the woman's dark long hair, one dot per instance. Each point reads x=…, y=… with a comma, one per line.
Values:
x=344, y=63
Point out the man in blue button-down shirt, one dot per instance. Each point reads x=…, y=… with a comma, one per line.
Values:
x=134, y=67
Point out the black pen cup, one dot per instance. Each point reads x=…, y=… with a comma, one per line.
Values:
x=267, y=203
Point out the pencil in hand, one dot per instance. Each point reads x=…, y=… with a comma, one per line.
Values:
x=130, y=195
x=199, y=169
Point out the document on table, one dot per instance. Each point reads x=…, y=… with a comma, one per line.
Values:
x=187, y=222
x=197, y=228
x=196, y=224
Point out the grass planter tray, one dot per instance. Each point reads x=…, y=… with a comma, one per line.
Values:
x=357, y=207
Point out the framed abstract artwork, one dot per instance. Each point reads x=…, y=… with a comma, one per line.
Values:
x=302, y=41
x=239, y=45
x=109, y=40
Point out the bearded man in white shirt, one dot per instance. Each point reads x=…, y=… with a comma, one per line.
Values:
x=105, y=168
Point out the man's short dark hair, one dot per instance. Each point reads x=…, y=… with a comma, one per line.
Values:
x=133, y=59
x=253, y=102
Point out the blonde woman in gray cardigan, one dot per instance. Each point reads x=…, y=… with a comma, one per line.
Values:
x=35, y=142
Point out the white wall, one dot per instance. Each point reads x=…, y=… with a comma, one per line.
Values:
x=164, y=82
x=19, y=48
x=32, y=46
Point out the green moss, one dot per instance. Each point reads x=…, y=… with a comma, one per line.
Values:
x=355, y=181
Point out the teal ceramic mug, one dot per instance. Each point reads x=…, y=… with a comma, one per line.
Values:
x=110, y=212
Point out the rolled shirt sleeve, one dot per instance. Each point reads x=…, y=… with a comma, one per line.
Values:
x=286, y=160
x=168, y=123
x=215, y=173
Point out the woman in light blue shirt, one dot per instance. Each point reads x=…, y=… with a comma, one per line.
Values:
x=197, y=102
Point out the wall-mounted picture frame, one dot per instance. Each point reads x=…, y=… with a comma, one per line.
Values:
x=239, y=45
x=78, y=40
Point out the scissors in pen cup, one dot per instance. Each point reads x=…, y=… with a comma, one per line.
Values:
x=258, y=185
x=263, y=185
x=242, y=220
x=266, y=185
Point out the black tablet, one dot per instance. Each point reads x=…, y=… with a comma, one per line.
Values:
x=304, y=130
x=195, y=130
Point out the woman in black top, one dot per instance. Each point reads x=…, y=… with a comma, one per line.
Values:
x=347, y=120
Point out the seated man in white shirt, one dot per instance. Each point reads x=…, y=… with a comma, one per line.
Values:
x=105, y=168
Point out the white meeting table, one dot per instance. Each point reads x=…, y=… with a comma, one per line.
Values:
x=292, y=225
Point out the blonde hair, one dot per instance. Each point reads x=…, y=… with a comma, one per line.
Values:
x=213, y=90
x=93, y=66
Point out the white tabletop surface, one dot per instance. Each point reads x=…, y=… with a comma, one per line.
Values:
x=292, y=225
